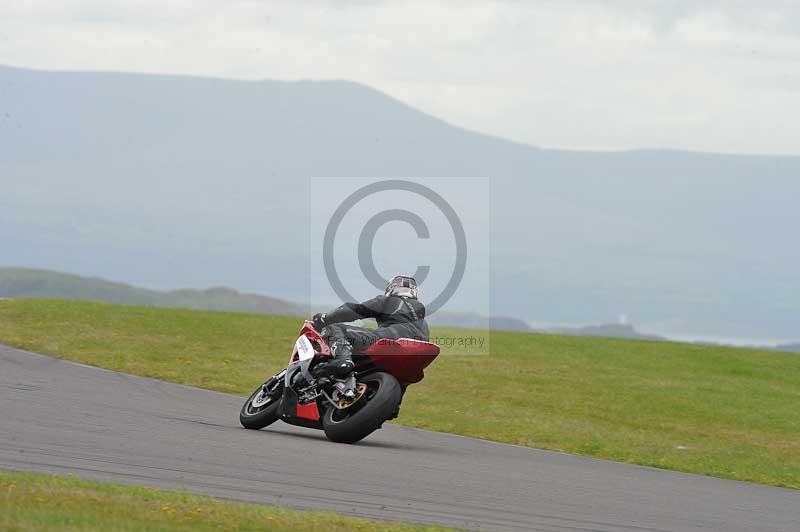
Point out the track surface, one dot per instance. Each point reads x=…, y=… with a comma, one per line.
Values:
x=61, y=417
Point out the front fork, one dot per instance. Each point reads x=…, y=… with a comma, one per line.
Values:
x=269, y=386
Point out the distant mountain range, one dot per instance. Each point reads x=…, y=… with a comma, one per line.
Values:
x=28, y=283
x=180, y=181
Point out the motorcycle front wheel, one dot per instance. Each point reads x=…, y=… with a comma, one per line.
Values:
x=261, y=409
x=379, y=403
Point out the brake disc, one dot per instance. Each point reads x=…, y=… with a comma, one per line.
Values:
x=344, y=403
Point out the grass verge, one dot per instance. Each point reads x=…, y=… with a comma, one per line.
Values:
x=731, y=413
x=32, y=502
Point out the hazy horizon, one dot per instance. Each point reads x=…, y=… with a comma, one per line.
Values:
x=536, y=325
x=168, y=181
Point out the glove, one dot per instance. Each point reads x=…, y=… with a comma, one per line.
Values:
x=319, y=321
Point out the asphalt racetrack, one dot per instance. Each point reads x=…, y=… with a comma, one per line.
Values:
x=61, y=417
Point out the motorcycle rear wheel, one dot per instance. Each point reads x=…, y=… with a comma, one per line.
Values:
x=258, y=417
x=379, y=403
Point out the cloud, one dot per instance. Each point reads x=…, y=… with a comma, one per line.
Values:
x=581, y=74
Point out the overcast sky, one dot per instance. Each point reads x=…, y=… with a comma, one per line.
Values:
x=712, y=75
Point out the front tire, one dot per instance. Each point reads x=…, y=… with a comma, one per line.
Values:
x=261, y=415
x=380, y=402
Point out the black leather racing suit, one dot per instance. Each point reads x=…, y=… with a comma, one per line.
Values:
x=397, y=317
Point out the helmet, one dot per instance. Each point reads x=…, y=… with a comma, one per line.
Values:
x=403, y=286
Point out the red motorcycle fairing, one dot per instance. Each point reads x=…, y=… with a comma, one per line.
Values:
x=320, y=345
x=403, y=358
x=309, y=412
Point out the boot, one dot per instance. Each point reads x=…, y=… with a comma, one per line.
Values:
x=343, y=367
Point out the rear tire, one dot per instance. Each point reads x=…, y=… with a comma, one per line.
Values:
x=255, y=418
x=382, y=400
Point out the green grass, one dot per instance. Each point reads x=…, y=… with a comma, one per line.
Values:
x=31, y=502
x=732, y=413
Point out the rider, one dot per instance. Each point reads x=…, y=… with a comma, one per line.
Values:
x=399, y=315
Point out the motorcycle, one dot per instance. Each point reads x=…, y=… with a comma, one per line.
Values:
x=306, y=393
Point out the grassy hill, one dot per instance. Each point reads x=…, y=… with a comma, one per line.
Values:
x=727, y=412
x=31, y=283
